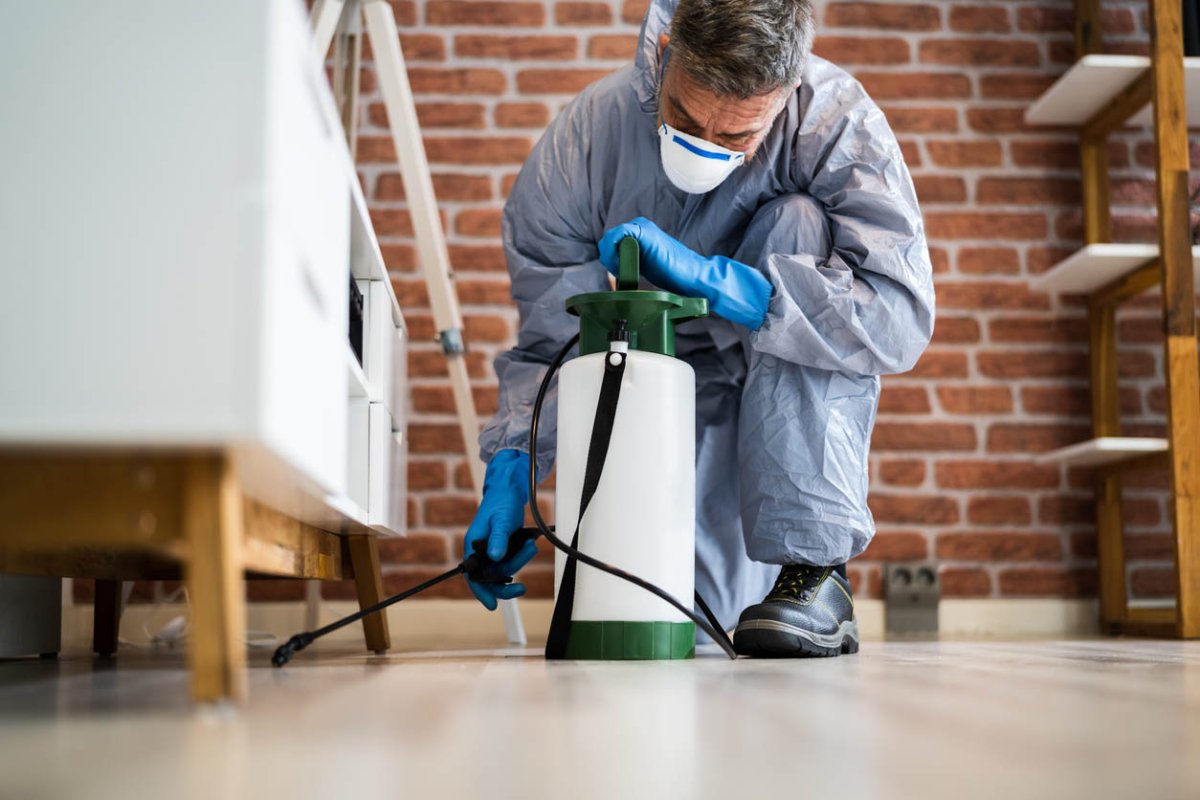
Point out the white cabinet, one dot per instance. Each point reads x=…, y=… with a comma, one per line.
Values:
x=179, y=226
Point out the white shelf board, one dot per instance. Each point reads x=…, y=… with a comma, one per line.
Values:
x=1094, y=80
x=1097, y=265
x=1105, y=450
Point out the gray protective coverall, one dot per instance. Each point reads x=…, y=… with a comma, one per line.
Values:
x=826, y=209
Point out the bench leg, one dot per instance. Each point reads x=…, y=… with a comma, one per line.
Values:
x=213, y=530
x=368, y=582
x=106, y=618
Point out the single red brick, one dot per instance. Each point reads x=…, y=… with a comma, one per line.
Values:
x=1005, y=510
x=1061, y=330
x=915, y=85
x=477, y=258
x=1037, y=191
x=557, y=81
x=940, y=188
x=432, y=364
x=980, y=53
x=484, y=292
x=1027, y=437
x=399, y=257
x=964, y=153
x=1009, y=364
x=927, y=119
x=633, y=11
x=923, y=436
x=909, y=509
x=1046, y=154
x=985, y=546
x=964, y=474
x=990, y=296
x=426, y=474
x=903, y=400
x=1010, y=86
x=955, y=330
x=1040, y=259
x=996, y=225
x=979, y=19
x=449, y=510
x=445, y=187
x=964, y=582
x=902, y=472
x=429, y=438
x=405, y=11
x=1152, y=582
x=477, y=150
x=521, y=115
x=1048, y=582
x=1156, y=546
x=999, y=120
x=415, y=548
x=863, y=50
x=487, y=327
x=484, y=13
x=478, y=222
x=1141, y=512
x=975, y=399
x=613, y=47
x=988, y=261
x=1140, y=330
x=886, y=16
x=516, y=48
x=940, y=364
x=437, y=115
x=897, y=546
x=434, y=80
x=583, y=13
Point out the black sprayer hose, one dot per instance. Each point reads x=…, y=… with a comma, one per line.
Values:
x=712, y=629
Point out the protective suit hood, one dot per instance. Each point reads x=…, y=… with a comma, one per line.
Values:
x=645, y=63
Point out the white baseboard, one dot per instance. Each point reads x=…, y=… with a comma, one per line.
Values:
x=450, y=624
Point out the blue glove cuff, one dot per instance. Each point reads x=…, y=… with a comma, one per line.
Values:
x=738, y=292
x=509, y=469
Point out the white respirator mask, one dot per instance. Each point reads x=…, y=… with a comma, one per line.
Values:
x=693, y=164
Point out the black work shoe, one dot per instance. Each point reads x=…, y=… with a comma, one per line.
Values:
x=809, y=612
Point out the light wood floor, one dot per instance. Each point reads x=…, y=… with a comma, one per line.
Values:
x=1061, y=719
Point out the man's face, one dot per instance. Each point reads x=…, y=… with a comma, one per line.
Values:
x=734, y=124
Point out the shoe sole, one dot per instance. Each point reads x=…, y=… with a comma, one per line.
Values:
x=768, y=638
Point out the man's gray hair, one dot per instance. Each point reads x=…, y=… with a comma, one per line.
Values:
x=743, y=48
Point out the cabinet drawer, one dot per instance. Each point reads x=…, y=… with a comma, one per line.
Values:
x=387, y=511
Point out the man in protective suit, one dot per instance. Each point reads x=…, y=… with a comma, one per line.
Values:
x=764, y=179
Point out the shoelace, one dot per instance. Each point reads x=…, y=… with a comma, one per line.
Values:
x=796, y=581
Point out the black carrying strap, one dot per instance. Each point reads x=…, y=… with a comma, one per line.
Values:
x=602, y=425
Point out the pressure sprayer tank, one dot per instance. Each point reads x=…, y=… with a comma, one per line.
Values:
x=642, y=517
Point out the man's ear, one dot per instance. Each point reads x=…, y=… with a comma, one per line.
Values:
x=663, y=38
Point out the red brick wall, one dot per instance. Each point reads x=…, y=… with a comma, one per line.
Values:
x=1006, y=375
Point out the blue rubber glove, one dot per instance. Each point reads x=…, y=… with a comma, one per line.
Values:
x=500, y=514
x=735, y=291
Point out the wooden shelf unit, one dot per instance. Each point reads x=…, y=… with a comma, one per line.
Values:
x=1099, y=95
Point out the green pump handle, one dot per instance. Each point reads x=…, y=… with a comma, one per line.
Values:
x=628, y=264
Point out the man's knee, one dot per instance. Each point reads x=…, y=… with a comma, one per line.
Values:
x=790, y=223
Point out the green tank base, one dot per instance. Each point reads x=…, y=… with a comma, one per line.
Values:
x=631, y=641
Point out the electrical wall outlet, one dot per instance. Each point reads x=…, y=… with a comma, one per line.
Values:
x=911, y=593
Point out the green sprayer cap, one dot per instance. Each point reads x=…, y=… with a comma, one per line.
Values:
x=649, y=316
